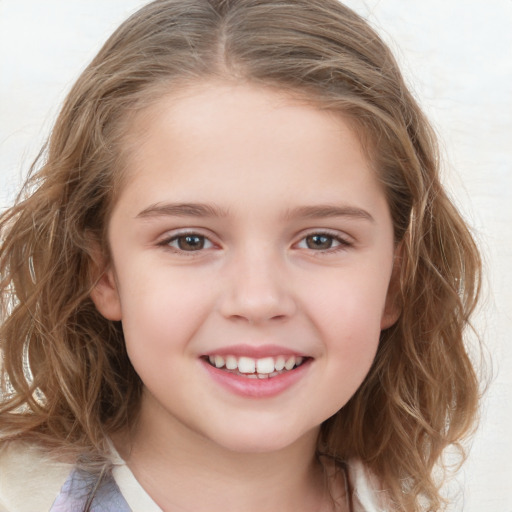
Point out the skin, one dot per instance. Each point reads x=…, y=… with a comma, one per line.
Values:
x=274, y=173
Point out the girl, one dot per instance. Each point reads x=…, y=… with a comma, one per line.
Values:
x=235, y=281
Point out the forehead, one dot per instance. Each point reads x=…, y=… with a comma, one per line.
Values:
x=235, y=119
x=252, y=153
x=245, y=148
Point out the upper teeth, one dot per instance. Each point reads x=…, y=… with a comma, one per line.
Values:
x=250, y=365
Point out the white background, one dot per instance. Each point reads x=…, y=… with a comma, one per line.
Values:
x=457, y=57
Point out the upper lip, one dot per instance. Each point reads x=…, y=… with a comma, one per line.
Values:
x=255, y=351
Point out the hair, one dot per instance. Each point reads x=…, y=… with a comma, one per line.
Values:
x=66, y=378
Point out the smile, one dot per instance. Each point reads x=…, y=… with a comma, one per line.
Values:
x=256, y=371
x=252, y=368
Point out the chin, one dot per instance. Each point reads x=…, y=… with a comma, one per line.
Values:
x=264, y=441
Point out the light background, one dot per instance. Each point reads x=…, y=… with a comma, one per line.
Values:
x=457, y=58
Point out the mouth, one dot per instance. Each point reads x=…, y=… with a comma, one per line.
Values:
x=256, y=368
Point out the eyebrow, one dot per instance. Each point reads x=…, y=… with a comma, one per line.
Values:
x=327, y=211
x=182, y=210
x=210, y=210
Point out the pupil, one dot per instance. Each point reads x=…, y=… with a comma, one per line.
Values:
x=191, y=242
x=319, y=242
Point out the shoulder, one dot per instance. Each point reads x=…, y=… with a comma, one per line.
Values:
x=134, y=494
x=29, y=478
x=367, y=493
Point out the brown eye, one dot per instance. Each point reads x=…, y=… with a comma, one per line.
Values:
x=319, y=242
x=189, y=242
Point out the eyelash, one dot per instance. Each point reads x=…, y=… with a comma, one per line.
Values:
x=342, y=243
x=177, y=237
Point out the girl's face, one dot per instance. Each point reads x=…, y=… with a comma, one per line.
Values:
x=252, y=251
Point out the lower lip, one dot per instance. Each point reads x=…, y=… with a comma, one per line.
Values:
x=257, y=388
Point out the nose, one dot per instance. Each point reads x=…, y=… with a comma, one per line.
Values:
x=257, y=289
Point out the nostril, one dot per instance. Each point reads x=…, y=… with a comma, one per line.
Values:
x=255, y=312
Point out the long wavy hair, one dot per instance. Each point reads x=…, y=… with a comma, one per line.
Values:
x=66, y=379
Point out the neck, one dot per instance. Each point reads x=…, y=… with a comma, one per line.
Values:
x=183, y=471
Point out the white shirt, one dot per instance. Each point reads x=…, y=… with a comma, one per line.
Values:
x=30, y=481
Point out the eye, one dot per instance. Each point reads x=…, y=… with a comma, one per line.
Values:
x=188, y=242
x=322, y=242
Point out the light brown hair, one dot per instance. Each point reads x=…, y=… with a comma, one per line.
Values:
x=66, y=378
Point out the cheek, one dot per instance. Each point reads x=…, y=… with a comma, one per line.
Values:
x=352, y=301
x=161, y=313
x=351, y=339
x=347, y=313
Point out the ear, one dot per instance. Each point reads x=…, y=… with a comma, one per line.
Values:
x=104, y=292
x=393, y=307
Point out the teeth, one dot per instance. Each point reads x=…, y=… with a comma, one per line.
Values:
x=290, y=363
x=231, y=363
x=265, y=365
x=246, y=365
x=279, y=364
x=261, y=368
